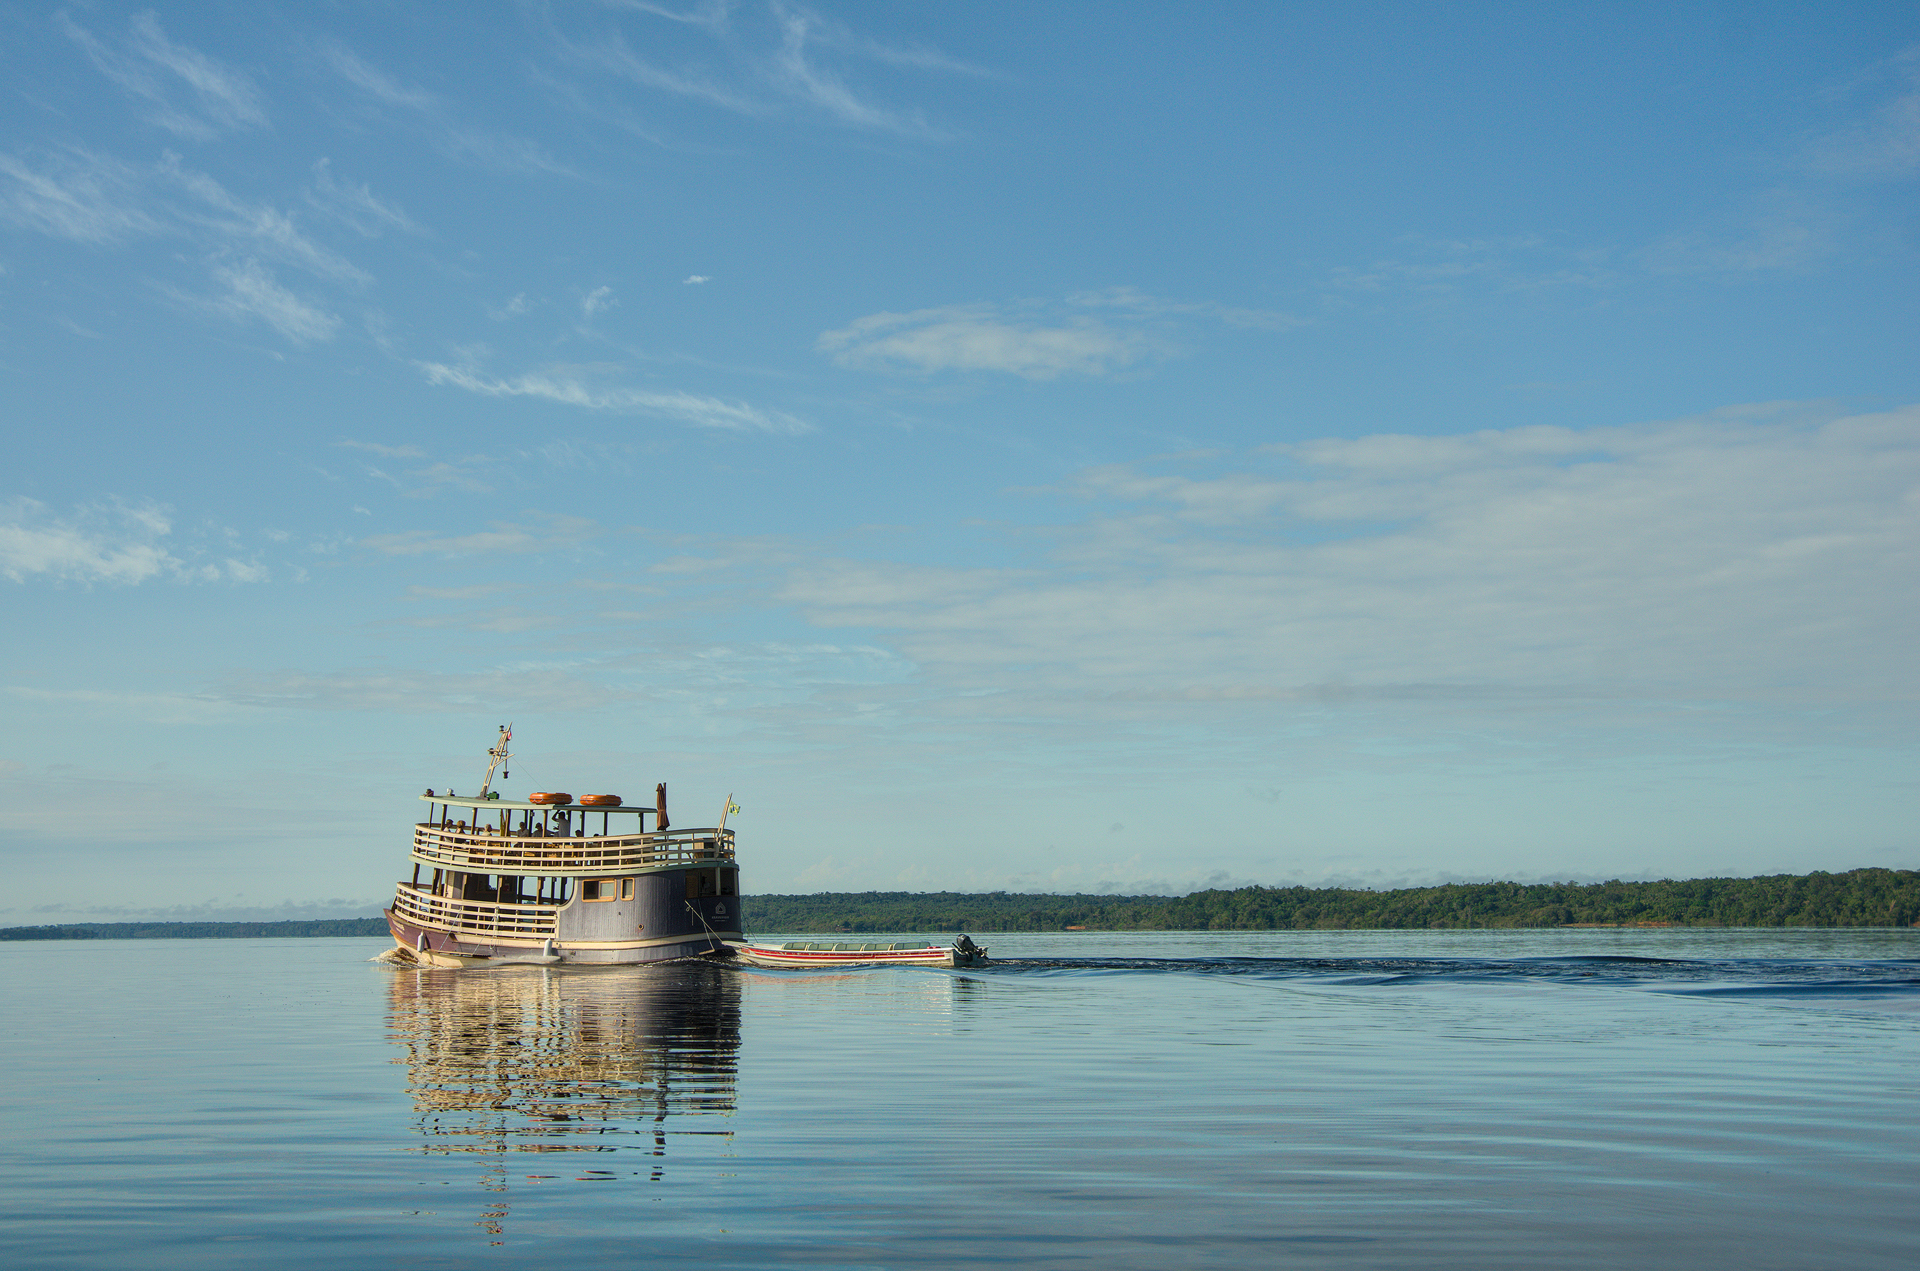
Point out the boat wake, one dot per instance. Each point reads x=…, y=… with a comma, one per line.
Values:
x=1890, y=981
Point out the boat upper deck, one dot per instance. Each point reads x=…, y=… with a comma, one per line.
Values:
x=501, y=836
x=493, y=803
x=486, y=850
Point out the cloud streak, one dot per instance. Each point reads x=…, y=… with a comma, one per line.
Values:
x=100, y=201
x=355, y=205
x=452, y=136
x=1885, y=144
x=981, y=338
x=690, y=408
x=118, y=544
x=253, y=295
x=186, y=92
x=777, y=53
x=505, y=537
x=75, y=195
x=1749, y=554
x=795, y=69
x=112, y=542
x=1093, y=333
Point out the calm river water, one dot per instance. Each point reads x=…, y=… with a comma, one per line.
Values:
x=1604, y=1099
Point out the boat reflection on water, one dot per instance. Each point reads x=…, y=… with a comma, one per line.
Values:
x=538, y=1060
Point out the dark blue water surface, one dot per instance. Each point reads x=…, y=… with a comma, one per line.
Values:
x=1365, y=1099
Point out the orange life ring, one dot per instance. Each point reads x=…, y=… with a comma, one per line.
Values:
x=599, y=800
x=544, y=797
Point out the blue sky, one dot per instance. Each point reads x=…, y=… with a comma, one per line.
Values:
x=1061, y=447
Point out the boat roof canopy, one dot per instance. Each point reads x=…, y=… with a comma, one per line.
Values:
x=501, y=805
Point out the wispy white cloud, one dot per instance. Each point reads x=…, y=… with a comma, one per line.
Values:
x=705, y=412
x=711, y=14
x=186, y=91
x=76, y=195
x=1749, y=554
x=253, y=294
x=1091, y=333
x=503, y=151
x=374, y=82
x=610, y=52
x=93, y=199
x=468, y=473
x=555, y=533
x=833, y=33
x=452, y=136
x=598, y=300
x=694, y=280
x=109, y=542
x=474, y=592
x=115, y=543
x=413, y=693
x=981, y=338
x=172, y=708
x=257, y=227
x=1788, y=230
x=776, y=61
x=514, y=308
x=1800, y=222
x=354, y=205
x=385, y=452
x=1427, y=268
x=1138, y=304
x=1884, y=144
x=796, y=70
x=456, y=474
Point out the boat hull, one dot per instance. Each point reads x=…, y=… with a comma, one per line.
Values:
x=431, y=947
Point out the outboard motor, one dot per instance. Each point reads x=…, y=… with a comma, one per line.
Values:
x=967, y=953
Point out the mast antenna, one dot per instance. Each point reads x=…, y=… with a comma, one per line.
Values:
x=498, y=755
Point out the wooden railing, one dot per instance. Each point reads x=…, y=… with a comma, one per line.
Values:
x=481, y=852
x=473, y=917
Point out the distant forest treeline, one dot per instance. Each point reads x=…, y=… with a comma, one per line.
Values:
x=1859, y=898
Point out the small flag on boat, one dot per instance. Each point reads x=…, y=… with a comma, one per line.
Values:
x=732, y=807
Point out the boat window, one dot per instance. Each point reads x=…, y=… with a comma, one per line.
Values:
x=729, y=882
x=600, y=889
x=702, y=882
x=626, y=889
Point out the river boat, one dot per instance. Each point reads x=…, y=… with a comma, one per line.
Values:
x=812, y=954
x=551, y=880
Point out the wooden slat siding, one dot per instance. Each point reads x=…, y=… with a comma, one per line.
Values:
x=473, y=853
x=473, y=917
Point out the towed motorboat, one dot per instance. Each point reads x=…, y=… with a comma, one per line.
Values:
x=811, y=954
